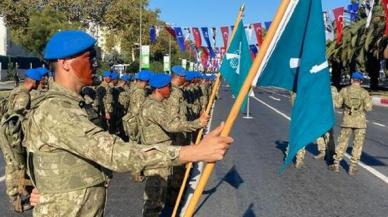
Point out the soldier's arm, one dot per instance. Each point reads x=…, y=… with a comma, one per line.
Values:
x=20, y=102
x=368, y=102
x=170, y=124
x=136, y=103
x=72, y=131
x=340, y=98
x=173, y=105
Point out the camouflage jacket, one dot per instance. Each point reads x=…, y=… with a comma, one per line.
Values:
x=355, y=101
x=19, y=100
x=175, y=104
x=124, y=97
x=68, y=151
x=156, y=125
x=136, y=100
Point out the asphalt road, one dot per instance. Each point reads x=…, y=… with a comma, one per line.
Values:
x=247, y=182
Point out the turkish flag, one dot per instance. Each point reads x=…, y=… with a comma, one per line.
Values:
x=204, y=56
x=197, y=37
x=225, y=35
x=171, y=31
x=259, y=33
x=385, y=6
x=339, y=22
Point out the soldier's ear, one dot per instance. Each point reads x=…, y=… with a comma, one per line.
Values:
x=64, y=64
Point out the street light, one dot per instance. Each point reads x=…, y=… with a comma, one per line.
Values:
x=141, y=23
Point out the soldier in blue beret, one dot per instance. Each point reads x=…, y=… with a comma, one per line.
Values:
x=104, y=99
x=157, y=127
x=19, y=102
x=61, y=135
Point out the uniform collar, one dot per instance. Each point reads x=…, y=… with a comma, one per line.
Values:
x=65, y=92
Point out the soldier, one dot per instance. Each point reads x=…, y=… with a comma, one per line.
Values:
x=326, y=142
x=43, y=84
x=155, y=126
x=67, y=152
x=355, y=102
x=104, y=99
x=19, y=102
x=136, y=100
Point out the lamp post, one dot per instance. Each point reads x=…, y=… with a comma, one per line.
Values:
x=140, y=33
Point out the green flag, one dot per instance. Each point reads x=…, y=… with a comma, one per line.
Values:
x=237, y=61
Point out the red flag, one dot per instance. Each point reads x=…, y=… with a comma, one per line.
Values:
x=385, y=6
x=339, y=22
x=170, y=30
x=225, y=35
x=259, y=33
x=204, y=56
x=197, y=37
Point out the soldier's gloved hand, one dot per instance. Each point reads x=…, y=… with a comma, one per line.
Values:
x=204, y=119
x=212, y=148
x=34, y=199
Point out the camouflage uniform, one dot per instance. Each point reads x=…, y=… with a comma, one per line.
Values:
x=204, y=98
x=302, y=152
x=18, y=102
x=155, y=128
x=355, y=102
x=70, y=177
x=130, y=119
x=104, y=101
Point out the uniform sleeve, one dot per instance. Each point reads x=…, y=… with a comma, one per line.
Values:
x=20, y=102
x=172, y=125
x=340, y=98
x=72, y=131
x=173, y=105
x=108, y=100
x=336, y=97
x=367, y=102
x=136, y=103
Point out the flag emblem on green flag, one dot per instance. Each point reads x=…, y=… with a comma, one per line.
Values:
x=237, y=61
x=296, y=61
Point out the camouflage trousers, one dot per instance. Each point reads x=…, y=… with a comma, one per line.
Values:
x=174, y=184
x=300, y=155
x=87, y=202
x=358, y=143
x=154, y=195
x=12, y=176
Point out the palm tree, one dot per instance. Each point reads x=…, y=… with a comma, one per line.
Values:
x=361, y=48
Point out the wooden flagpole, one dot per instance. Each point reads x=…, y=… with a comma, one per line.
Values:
x=213, y=95
x=238, y=103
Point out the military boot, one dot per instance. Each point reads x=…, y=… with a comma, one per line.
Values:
x=353, y=170
x=320, y=156
x=334, y=167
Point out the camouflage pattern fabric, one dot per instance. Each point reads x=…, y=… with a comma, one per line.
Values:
x=51, y=137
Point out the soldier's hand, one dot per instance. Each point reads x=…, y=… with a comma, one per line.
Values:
x=34, y=199
x=107, y=116
x=212, y=148
x=204, y=119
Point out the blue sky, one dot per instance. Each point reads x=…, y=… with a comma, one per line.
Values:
x=209, y=13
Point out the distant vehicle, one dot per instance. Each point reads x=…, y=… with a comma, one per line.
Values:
x=120, y=68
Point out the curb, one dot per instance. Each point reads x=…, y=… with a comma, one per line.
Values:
x=380, y=101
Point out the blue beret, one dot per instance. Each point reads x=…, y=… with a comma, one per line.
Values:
x=107, y=74
x=114, y=75
x=42, y=71
x=34, y=74
x=144, y=75
x=358, y=76
x=125, y=77
x=178, y=70
x=189, y=76
x=68, y=43
x=160, y=80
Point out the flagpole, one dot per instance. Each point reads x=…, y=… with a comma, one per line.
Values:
x=248, y=116
x=238, y=103
x=213, y=95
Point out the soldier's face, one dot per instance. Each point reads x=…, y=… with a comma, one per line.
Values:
x=165, y=91
x=84, y=66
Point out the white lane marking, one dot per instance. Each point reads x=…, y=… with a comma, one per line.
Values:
x=2, y=178
x=277, y=99
x=368, y=168
x=378, y=124
x=338, y=112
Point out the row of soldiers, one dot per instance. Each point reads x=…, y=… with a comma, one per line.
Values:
x=149, y=109
x=154, y=108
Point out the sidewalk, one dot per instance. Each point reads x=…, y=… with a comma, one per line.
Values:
x=380, y=100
